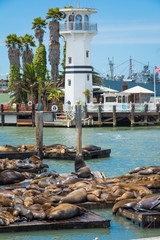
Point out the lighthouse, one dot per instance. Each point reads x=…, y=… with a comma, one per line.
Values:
x=78, y=32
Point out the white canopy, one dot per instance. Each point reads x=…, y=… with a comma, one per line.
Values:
x=137, y=89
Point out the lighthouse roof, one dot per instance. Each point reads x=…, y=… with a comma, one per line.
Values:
x=80, y=10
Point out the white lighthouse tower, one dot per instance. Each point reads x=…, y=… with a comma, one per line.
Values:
x=78, y=32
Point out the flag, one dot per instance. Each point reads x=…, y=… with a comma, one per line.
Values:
x=157, y=69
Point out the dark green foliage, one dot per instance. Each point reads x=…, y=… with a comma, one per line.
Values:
x=40, y=64
x=39, y=23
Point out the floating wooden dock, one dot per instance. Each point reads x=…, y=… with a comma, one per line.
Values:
x=142, y=219
x=16, y=155
x=87, y=220
x=72, y=155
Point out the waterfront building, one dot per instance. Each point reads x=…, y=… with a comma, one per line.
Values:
x=78, y=32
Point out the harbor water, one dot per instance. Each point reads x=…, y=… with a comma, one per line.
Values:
x=130, y=148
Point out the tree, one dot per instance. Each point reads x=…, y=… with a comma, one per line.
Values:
x=30, y=82
x=55, y=95
x=96, y=78
x=87, y=93
x=40, y=68
x=27, y=56
x=14, y=46
x=38, y=25
x=54, y=46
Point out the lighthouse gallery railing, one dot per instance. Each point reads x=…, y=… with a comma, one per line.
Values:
x=72, y=26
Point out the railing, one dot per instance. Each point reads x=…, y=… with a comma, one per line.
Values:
x=72, y=26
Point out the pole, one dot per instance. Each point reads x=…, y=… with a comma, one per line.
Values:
x=78, y=131
x=77, y=3
x=39, y=133
x=154, y=86
x=79, y=162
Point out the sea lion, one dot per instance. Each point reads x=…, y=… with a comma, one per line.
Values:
x=8, y=177
x=28, y=201
x=92, y=198
x=126, y=195
x=152, y=203
x=24, y=212
x=8, y=148
x=64, y=211
x=121, y=203
x=91, y=148
x=77, y=196
x=38, y=212
x=84, y=172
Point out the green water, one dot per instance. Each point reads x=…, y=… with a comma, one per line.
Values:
x=4, y=98
x=130, y=148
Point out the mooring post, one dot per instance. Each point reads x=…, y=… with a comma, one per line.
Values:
x=79, y=163
x=39, y=133
x=78, y=131
x=145, y=116
x=132, y=114
x=33, y=115
x=2, y=115
x=158, y=116
x=99, y=115
x=17, y=107
x=85, y=110
x=114, y=116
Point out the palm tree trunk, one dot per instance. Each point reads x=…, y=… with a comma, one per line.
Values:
x=54, y=50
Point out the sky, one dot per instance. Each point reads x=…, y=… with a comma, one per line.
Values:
x=126, y=28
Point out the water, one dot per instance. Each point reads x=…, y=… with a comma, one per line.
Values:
x=130, y=148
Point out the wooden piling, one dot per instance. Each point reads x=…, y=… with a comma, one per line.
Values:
x=79, y=163
x=85, y=110
x=99, y=115
x=158, y=116
x=114, y=116
x=132, y=114
x=146, y=117
x=39, y=133
x=17, y=107
x=33, y=115
x=2, y=115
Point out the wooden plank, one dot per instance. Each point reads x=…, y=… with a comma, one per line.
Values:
x=72, y=155
x=143, y=219
x=87, y=220
x=16, y=155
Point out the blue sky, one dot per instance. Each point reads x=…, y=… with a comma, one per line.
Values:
x=125, y=28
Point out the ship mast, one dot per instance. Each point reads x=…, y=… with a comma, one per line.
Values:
x=130, y=68
x=111, y=65
x=77, y=3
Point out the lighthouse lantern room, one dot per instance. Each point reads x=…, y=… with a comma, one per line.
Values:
x=78, y=33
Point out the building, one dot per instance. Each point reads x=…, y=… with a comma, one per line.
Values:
x=78, y=32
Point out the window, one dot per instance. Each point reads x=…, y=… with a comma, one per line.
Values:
x=69, y=82
x=86, y=18
x=87, y=53
x=71, y=20
x=69, y=60
x=78, y=22
x=88, y=77
x=86, y=22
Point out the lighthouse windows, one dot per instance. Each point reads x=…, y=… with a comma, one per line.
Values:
x=69, y=60
x=78, y=22
x=87, y=54
x=69, y=82
x=88, y=77
x=86, y=22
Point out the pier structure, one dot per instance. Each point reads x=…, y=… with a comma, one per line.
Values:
x=78, y=32
x=108, y=114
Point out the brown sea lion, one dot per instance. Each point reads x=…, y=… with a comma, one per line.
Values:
x=91, y=147
x=24, y=212
x=8, y=148
x=92, y=198
x=64, y=211
x=8, y=177
x=7, y=217
x=38, y=212
x=121, y=203
x=126, y=195
x=84, y=172
x=28, y=201
x=77, y=196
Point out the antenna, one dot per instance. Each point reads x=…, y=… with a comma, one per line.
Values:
x=77, y=3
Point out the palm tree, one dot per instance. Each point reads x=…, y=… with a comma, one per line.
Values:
x=55, y=95
x=14, y=45
x=38, y=25
x=54, y=46
x=27, y=42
